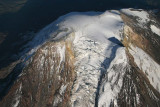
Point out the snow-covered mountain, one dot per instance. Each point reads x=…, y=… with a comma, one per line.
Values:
x=88, y=59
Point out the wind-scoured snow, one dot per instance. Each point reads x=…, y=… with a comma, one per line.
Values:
x=142, y=15
x=113, y=80
x=147, y=65
x=155, y=29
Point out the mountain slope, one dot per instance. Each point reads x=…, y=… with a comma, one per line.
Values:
x=89, y=59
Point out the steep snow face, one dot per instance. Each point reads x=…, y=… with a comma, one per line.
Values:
x=147, y=65
x=113, y=80
x=141, y=16
x=155, y=29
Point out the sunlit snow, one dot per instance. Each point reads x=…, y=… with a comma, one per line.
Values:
x=142, y=15
x=155, y=30
x=96, y=52
x=147, y=65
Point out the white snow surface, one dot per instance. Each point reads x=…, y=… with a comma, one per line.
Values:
x=155, y=29
x=113, y=79
x=142, y=15
x=96, y=53
x=93, y=47
x=147, y=65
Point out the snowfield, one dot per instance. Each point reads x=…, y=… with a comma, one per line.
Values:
x=155, y=30
x=142, y=15
x=95, y=49
x=147, y=65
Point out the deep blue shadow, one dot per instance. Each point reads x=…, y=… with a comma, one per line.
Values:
x=106, y=63
x=116, y=41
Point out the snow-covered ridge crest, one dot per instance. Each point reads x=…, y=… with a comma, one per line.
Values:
x=76, y=21
x=142, y=15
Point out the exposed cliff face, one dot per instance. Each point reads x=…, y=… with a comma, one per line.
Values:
x=47, y=78
x=136, y=89
x=142, y=44
x=141, y=35
x=79, y=61
x=141, y=81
